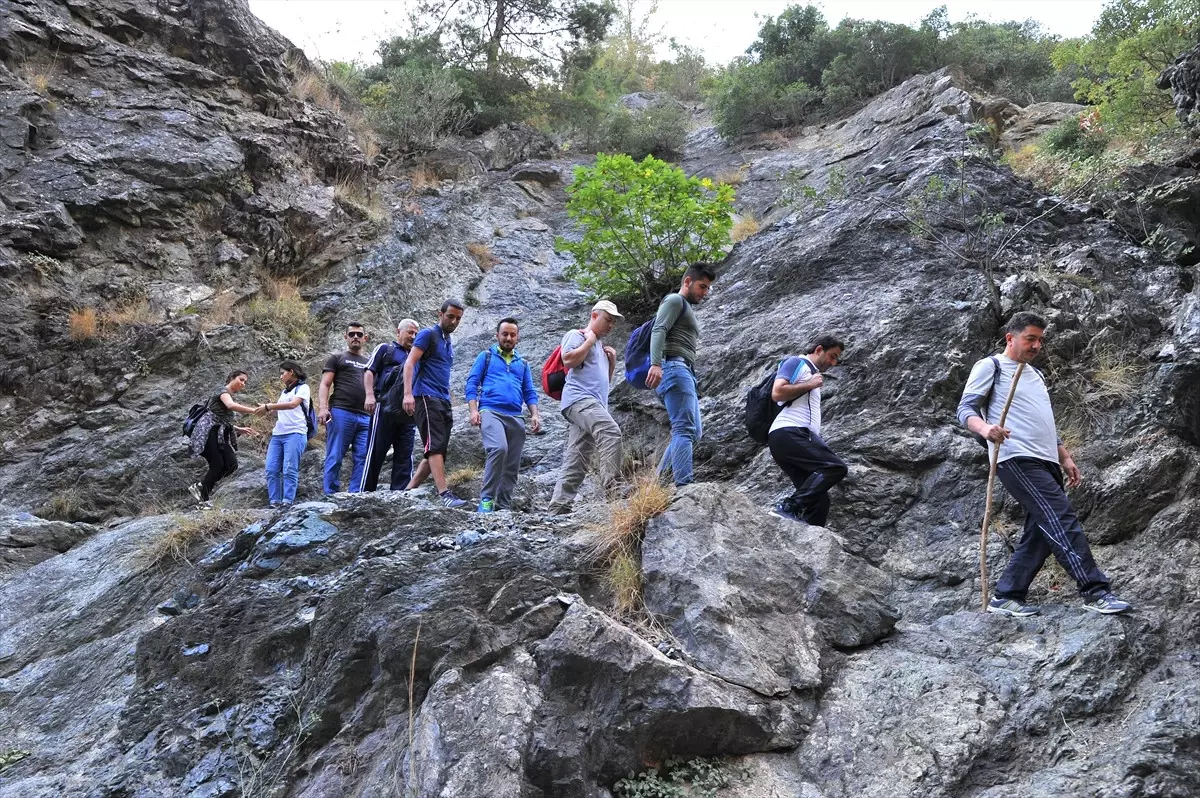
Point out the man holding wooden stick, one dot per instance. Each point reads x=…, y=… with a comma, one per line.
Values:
x=1032, y=464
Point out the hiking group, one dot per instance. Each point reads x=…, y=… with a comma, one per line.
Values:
x=372, y=404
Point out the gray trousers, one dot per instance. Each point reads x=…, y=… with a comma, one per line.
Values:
x=503, y=440
x=593, y=433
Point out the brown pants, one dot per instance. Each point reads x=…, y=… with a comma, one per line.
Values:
x=593, y=433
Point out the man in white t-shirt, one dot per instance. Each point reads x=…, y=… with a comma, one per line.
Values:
x=1031, y=466
x=795, y=437
x=590, y=365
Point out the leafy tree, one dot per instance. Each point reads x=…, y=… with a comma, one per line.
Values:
x=643, y=223
x=1130, y=44
x=685, y=75
x=660, y=130
x=1011, y=59
x=413, y=107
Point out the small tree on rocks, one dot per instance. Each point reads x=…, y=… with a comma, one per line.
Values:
x=643, y=223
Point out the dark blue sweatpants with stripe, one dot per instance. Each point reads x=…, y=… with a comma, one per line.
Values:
x=1051, y=527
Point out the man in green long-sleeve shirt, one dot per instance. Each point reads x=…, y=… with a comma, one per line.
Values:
x=674, y=340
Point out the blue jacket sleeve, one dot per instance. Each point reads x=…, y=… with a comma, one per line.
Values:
x=473, y=386
x=527, y=389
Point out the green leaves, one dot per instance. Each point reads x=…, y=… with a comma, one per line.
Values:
x=643, y=223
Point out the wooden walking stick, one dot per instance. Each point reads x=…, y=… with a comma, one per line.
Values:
x=987, y=507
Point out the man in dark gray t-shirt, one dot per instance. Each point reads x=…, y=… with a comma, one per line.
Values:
x=674, y=340
x=590, y=365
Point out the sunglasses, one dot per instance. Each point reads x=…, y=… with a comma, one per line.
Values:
x=355, y=334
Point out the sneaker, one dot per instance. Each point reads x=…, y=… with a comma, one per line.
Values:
x=451, y=501
x=194, y=489
x=1107, y=604
x=205, y=505
x=558, y=509
x=784, y=510
x=1012, y=607
x=487, y=506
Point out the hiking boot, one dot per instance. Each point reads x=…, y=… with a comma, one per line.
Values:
x=1012, y=607
x=1107, y=604
x=486, y=506
x=195, y=490
x=785, y=511
x=450, y=500
x=558, y=509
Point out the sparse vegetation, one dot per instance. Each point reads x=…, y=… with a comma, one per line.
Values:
x=678, y=778
x=424, y=178
x=617, y=545
x=743, y=228
x=463, y=476
x=361, y=200
x=188, y=532
x=660, y=131
x=482, y=254
x=280, y=309
x=131, y=314
x=221, y=311
x=83, y=324
x=731, y=177
x=10, y=757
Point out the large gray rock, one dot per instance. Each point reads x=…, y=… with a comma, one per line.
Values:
x=1182, y=79
x=756, y=600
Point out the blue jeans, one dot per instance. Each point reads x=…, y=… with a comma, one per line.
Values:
x=678, y=392
x=345, y=430
x=283, y=466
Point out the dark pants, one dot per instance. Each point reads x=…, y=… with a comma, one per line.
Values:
x=812, y=467
x=1051, y=527
x=222, y=461
x=394, y=431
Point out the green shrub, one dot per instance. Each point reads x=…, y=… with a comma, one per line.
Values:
x=1078, y=136
x=643, y=223
x=677, y=778
x=748, y=98
x=659, y=131
x=413, y=107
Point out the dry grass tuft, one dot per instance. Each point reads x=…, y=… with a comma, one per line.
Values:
x=311, y=87
x=618, y=544
x=743, y=229
x=360, y=199
x=189, y=532
x=462, y=476
x=220, y=312
x=83, y=324
x=131, y=314
x=280, y=308
x=732, y=177
x=423, y=177
x=482, y=255
x=63, y=505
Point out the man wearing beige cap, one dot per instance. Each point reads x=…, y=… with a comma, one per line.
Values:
x=590, y=367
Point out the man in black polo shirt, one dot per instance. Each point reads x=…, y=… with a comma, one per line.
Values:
x=347, y=423
x=427, y=396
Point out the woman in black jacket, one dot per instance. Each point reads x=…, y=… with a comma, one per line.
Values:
x=215, y=437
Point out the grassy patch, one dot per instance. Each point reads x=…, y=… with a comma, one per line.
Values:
x=361, y=200
x=617, y=545
x=11, y=756
x=220, y=311
x=463, y=476
x=131, y=314
x=83, y=324
x=280, y=309
x=66, y=504
x=188, y=532
x=423, y=178
x=482, y=254
x=743, y=229
x=731, y=177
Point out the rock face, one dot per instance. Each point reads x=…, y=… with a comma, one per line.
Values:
x=1182, y=79
x=384, y=645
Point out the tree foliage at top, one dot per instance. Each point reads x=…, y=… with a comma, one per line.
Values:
x=1130, y=44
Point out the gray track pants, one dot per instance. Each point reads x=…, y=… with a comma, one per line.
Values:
x=503, y=440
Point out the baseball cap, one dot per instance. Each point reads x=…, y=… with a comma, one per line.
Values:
x=607, y=307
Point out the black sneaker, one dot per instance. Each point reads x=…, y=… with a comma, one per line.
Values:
x=1012, y=607
x=1107, y=604
x=785, y=511
x=451, y=501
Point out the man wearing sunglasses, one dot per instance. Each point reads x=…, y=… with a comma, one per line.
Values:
x=340, y=402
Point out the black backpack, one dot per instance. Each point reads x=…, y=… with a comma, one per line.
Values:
x=389, y=391
x=193, y=418
x=761, y=409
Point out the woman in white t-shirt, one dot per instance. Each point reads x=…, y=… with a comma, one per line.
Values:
x=290, y=436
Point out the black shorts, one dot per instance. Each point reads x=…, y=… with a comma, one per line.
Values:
x=434, y=420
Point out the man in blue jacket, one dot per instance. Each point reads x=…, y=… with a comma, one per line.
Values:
x=499, y=383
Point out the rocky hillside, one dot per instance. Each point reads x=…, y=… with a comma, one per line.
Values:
x=164, y=165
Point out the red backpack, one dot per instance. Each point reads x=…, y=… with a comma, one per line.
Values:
x=554, y=374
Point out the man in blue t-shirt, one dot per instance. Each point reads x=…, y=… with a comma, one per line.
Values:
x=427, y=396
